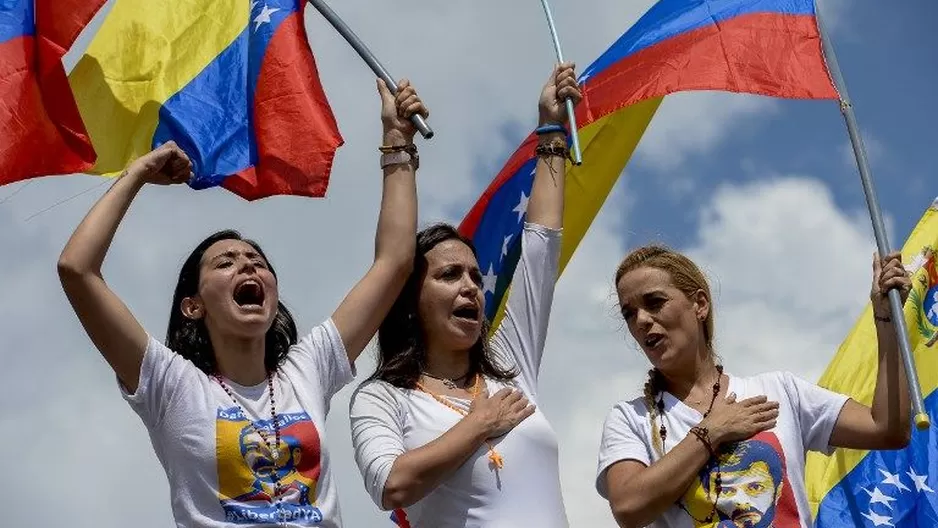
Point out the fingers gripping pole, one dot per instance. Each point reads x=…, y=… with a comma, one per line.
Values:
x=577, y=157
x=369, y=58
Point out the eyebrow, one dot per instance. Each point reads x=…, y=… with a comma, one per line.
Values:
x=233, y=253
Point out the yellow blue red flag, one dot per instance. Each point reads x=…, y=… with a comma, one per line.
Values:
x=886, y=488
x=234, y=83
x=766, y=47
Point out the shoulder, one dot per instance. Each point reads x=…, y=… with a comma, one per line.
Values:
x=627, y=410
x=372, y=390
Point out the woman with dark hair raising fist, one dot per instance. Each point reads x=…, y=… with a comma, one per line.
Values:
x=234, y=402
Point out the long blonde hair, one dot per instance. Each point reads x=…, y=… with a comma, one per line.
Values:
x=686, y=277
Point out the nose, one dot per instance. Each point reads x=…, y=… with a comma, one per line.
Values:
x=643, y=319
x=468, y=288
x=247, y=266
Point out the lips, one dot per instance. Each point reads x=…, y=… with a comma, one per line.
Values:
x=469, y=312
x=653, y=340
x=249, y=294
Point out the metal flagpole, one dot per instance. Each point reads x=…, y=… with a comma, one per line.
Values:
x=369, y=58
x=577, y=157
x=879, y=229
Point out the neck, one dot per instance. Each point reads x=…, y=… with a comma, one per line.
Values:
x=451, y=364
x=699, y=375
x=240, y=359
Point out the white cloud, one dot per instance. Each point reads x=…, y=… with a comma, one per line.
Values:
x=477, y=72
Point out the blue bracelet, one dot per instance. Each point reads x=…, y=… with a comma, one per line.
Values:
x=550, y=128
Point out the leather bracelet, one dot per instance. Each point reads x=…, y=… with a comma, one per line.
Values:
x=387, y=149
x=703, y=435
x=552, y=149
x=884, y=319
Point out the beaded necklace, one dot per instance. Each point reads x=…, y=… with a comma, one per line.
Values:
x=273, y=449
x=494, y=457
x=718, y=481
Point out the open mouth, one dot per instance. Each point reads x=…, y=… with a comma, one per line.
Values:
x=468, y=312
x=249, y=293
x=653, y=340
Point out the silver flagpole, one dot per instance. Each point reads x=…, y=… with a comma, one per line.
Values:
x=577, y=157
x=879, y=229
x=369, y=58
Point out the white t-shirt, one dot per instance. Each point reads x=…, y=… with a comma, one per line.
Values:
x=762, y=478
x=387, y=421
x=219, y=468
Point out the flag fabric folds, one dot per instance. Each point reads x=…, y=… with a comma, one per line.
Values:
x=232, y=83
x=41, y=131
x=854, y=488
x=765, y=47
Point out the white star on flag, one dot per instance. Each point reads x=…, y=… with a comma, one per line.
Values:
x=919, y=481
x=264, y=16
x=489, y=280
x=522, y=206
x=505, y=245
x=893, y=479
x=878, y=497
x=879, y=520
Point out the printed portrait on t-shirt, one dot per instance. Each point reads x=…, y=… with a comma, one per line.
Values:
x=754, y=490
x=248, y=471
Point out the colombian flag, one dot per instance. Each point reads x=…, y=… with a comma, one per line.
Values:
x=886, y=488
x=41, y=131
x=232, y=82
x=766, y=47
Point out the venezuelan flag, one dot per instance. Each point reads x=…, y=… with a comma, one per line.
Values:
x=886, y=488
x=232, y=82
x=41, y=131
x=766, y=47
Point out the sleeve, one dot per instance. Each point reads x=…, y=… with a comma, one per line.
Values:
x=324, y=361
x=622, y=439
x=377, y=424
x=523, y=331
x=164, y=379
x=818, y=409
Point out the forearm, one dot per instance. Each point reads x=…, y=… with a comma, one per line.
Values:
x=891, y=400
x=645, y=496
x=86, y=248
x=547, y=192
x=416, y=473
x=395, y=237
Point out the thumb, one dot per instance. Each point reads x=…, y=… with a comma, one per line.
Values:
x=387, y=98
x=877, y=264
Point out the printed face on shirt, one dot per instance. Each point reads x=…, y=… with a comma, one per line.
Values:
x=237, y=291
x=450, y=303
x=248, y=473
x=753, y=490
x=661, y=318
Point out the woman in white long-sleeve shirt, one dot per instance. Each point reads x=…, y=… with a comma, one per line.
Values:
x=445, y=431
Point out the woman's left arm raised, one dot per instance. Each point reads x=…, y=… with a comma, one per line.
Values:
x=358, y=316
x=885, y=425
x=546, y=204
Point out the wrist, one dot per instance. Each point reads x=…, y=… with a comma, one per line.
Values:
x=134, y=177
x=482, y=427
x=395, y=138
